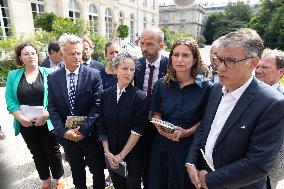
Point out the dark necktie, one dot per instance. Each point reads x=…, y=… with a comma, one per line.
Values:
x=150, y=80
x=85, y=63
x=72, y=92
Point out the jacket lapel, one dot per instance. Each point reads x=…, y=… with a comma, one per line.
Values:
x=242, y=104
x=63, y=85
x=81, y=80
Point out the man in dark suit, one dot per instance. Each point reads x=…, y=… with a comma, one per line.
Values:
x=242, y=129
x=87, y=52
x=54, y=59
x=153, y=66
x=74, y=91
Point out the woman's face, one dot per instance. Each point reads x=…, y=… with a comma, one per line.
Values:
x=182, y=59
x=125, y=72
x=29, y=56
x=111, y=52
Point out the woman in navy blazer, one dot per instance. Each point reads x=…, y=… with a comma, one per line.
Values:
x=28, y=86
x=123, y=118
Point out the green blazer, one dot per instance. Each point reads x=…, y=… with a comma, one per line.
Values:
x=12, y=101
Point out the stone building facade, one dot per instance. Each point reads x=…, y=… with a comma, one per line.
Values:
x=137, y=14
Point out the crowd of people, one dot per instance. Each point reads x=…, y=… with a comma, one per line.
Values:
x=227, y=121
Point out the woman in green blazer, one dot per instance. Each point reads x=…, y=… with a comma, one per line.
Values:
x=26, y=91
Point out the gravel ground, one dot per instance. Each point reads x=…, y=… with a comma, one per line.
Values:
x=17, y=170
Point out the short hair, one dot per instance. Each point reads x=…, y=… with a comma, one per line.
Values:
x=67, y=38
x=278, y=54
x=118, y=60
x=53, y=45
x=156, y=31
x=18, y=51
x=198, y=63
x=88, y=40
x=246, y=38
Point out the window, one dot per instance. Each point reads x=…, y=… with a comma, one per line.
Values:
x=121, y=18
x=182, y=17
x=165, y=18
x=5, y=19
x=37, y=8
x=153, y=20
x=154, y=5
x=145, y=3
x=131, y=33
x=93, y=17
x=108, y=21
x=74, y=10
x=144, y=21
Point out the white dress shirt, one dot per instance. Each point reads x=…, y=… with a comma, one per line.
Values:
x=54, y=66
x=76, y=72
x=88, y=62
x=227, y=104
x=155, y=74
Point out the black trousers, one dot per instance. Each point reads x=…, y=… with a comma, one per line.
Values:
x=149, y=136
x=133, y=180
x=88, y=151
x=45, y=150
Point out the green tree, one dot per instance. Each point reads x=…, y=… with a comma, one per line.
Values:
x=65, y=25
x=45, y=21
x=122, y=31
x=99, y=46
x=238, y=11
x=212, y=26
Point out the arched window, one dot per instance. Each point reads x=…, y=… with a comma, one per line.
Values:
x=74, y=10
x=93, y=17
x=37, y=8
x=108, y=21
x=132, y=33
x=121, y=18
x=5, y=19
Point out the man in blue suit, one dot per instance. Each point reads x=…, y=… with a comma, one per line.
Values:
x=87, y=52
x=153, y=66
x=74, y=90
x=54, y=59
x=242, y=129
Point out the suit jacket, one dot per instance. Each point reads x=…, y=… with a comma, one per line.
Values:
x=97, y=65
x=11, y=97
x=86, y=99
x=249, y=141
x=46, y=63
x=140, y=73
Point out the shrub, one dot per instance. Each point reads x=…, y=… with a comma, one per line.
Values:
x=5, y=67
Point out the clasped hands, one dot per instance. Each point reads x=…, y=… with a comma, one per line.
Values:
x=74, y=135
x=197, y=177
x=37, y=121
x=114, y=160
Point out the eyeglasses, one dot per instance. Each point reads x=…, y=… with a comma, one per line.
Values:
x=229, y=62
x=182, y=55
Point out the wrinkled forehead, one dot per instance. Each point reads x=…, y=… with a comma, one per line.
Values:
x=231, y=52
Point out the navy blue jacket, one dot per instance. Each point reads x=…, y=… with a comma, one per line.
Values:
x=46, y=63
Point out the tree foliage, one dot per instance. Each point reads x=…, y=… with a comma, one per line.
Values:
x=45, y=20
x=122, y=31
x=65, y=25
x=236, y=15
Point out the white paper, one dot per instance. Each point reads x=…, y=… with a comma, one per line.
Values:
x=31, y=112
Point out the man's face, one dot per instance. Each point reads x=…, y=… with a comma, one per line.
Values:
x=55, y=57
x=87, y=51
x=267, y=71
x=150, y=46
x=72, y=55
x=235, y=75
x=213, y=53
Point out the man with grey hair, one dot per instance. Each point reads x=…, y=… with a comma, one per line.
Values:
x=242, y=129
x=153, y=66
x=270, y=68
x=74, y=91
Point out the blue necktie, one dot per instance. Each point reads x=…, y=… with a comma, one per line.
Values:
x=72, y=92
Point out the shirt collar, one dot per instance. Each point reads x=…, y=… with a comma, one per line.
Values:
x=120, y=91
x=76, y=72
x=276, y=85
x=88, y=62
x=156, y=63
x=239, y=91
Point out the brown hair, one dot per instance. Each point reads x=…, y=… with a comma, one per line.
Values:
x=198, y=63
x=18, y=50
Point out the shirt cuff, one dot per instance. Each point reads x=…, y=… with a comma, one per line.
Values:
x=135, y=133
x=190, y=164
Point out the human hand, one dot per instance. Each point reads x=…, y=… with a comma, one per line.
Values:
x=202, y=175
x=193, y=175
x=25, y=122
x=70, y=135
x=118, y=158
x=112, y=160
x=78, y=136
x=179, y=133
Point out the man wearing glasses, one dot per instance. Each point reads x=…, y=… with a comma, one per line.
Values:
x=242, y=129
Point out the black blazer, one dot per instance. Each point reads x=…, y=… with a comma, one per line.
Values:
x=140, y=73
x=249, y=141
x=46, y=63
x=97, y=65
x=86, y=100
